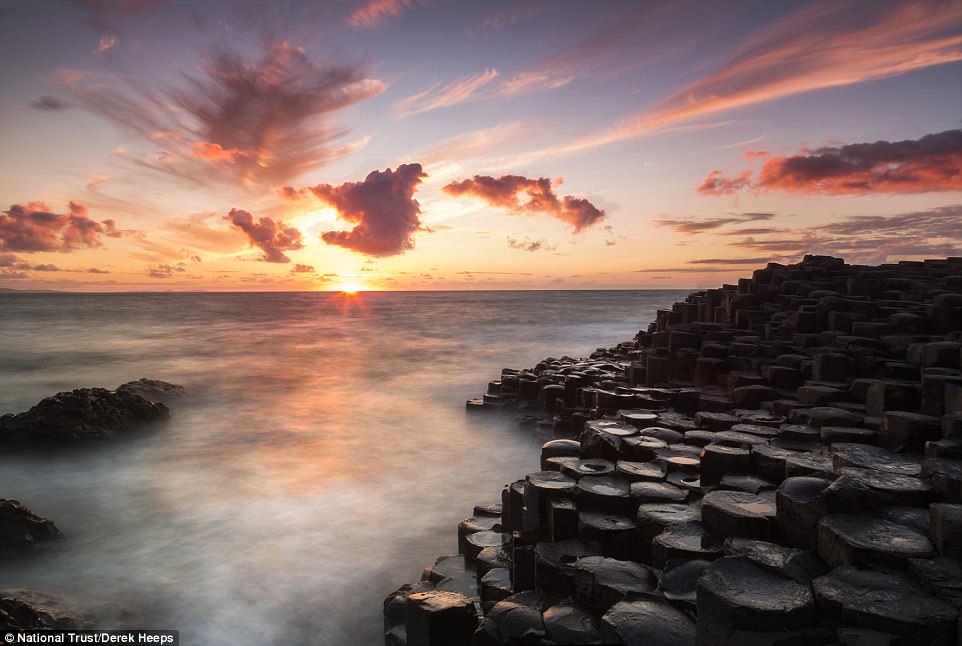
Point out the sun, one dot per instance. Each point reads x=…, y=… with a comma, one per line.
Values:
x=348, y=288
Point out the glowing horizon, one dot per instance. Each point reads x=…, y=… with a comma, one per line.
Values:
x=387, y=145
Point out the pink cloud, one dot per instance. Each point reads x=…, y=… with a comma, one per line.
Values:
x=717, y=184
x=382, y=209
x=273, y=238
x=521, y=194
x=34, y=227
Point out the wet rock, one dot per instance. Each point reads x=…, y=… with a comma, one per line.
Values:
x=728, y=514
x=648, y=622
x=559, y=448
x=869, y=540
x=742, y=603
x=829, y=416
x=448, y=567
x=491, y=557
x=570, y=624
x=809, y=464
x=718, y=460
x=876, y=489
x=508, y=623
x=906, y=430
x=28, y=610
x=654, y=518
x=795, y=564
x=873, y=457
x=679, y=581
x=80, y=415
x=494, y=586
x=617, y=536
x=682, y=541
x=642, y=448
x=432, y=618
x=885, y=602
x=592, y=467
x=603, y=493
x=799, y=507
x=21, y=530
x=769, y=462
x=473, y=525
x=601, y=582
x=946, y=528
x=477, y=541
x=656, y=492
x=945, y=476
x=715, y=421
x=539, y=489
x=641, y=471
x=746, y=483
x=941, y=576
x=554, y=564
x=836, y=434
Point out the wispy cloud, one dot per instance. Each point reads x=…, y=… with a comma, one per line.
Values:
x=691, y=226
x=375, y=12
x=445, y=95
x=527, y=244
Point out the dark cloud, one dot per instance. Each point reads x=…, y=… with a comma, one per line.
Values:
x=530, y=245
x=382, y=209
x=691, y=227
x=931, y=163
x=95, y=270
x=49, y=104
x=273, y=238
x=730, y=261
x=34, y=227
x=871, y=239
x=241, y=121
x=521, y=194
x=302, y=269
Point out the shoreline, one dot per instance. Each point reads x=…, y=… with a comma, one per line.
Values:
x=745, y=471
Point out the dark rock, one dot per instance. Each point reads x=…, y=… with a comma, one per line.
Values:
x=617, y=536
x=728, y=514
x=679, y=581
x=873, y=457
x=654, y=518
x=21, y=529
x=602, y=493
x=877, y=489
x=473, y=525
x=885, y=602
x=946, y=528
x=941, y=576
x=945, y=476
x=601, y=582
x=559, y=448
x=510, y=623
x=477, y=541
x=570, y=624
x=641, y=471
x=742, y=603
x=447, y=567
x=80, y=415
x=656, y=492
x=593, y=467
x=718, y=460
x=869, y=540
x=906, y=430
x=554, y=564
x=494, y=586
x=800, y=505
x=648, y=622
x=682, y=541
x=836, y=434
x=153, y=390
x=433, y=618
x=795, y=564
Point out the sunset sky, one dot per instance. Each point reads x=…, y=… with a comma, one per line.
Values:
x=448, y=144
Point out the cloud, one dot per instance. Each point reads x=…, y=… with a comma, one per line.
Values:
x=717, y=184
x=375, y=12
x=241, y=121
x=691, y=227
x=931, y=163
x=870, y=239
x=730, y=261
x=165, y=271
x=273, y=238
x=382, y=209
x=445, y=95
x=34, y=227
x=49, y=104
x=107, y=42
x=538, y=196
x=302, y=269
x=530, y=245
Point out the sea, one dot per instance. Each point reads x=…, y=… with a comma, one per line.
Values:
x=321, y=458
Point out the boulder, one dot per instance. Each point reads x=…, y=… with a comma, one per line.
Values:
x=435, y=618
x=649, y=622
x=21, y=529
x=869, y=540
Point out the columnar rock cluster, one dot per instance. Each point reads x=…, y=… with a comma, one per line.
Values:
x=773, y=462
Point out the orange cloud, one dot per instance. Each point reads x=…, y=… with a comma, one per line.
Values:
x=717, y=184
x=538, y=194
x=375, y=12
x=215, y=152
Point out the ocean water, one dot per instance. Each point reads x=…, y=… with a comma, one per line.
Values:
x=322, y=457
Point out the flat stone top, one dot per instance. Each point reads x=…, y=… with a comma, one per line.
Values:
x=488, y=539
x=590, y=467
x=620, y=575
x=648, y=470
x=661, y=490
x=872, y=532
x=612, y=427
x=667, y=513
x=561, y=447
x=742, y=504
x=873, y=457
x=869, y=594
x=606, y=522
x=741, y=583
x=803, y=488
x=437, y=601
x=604, y=485
x=551, y=480
x=652, y=623
x=891, y=482
x=564, y=552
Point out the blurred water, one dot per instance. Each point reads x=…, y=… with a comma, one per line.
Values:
x=322, y=458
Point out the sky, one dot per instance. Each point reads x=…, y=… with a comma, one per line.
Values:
x=445, y=144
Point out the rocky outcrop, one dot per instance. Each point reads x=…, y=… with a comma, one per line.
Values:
x=87, y=414
x=773, y=462
x=21, y=530
x=29, y=610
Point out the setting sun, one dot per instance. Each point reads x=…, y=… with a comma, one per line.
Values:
x=348, y=288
